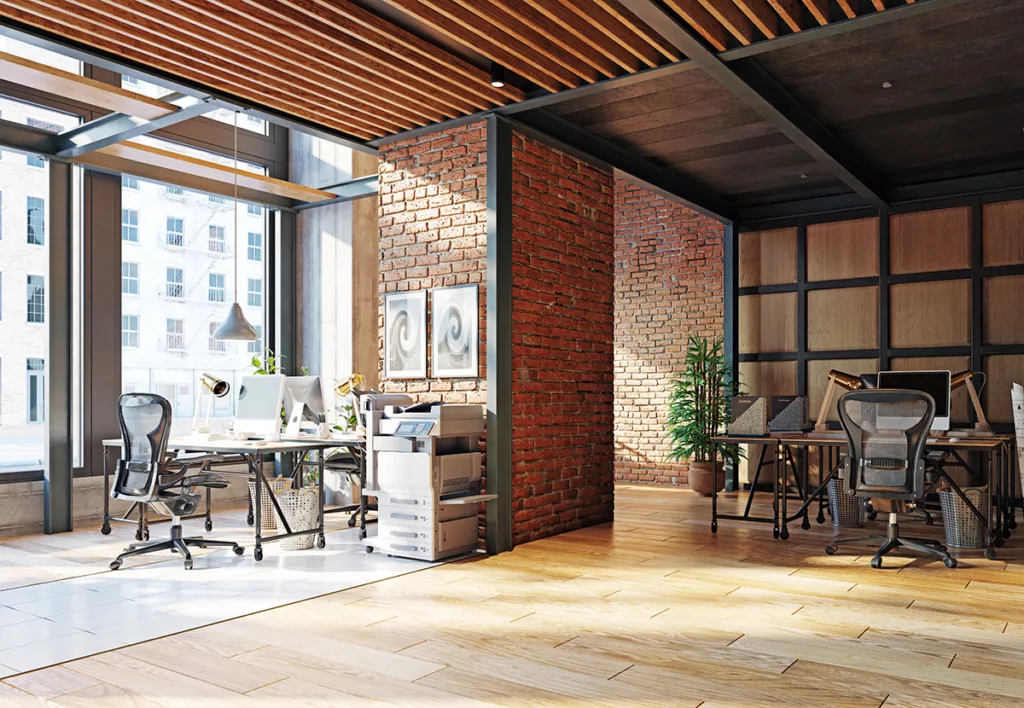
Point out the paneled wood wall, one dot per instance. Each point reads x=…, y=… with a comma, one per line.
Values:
x=939, y=288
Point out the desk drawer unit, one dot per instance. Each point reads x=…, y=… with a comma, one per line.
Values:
x=422, y=473
x=427, y=541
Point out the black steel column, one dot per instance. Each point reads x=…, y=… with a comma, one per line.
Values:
x=801, y=307
x=499, y=334
x=58, y=474
x=730, y=344
x=977, y=296
x=883, y=290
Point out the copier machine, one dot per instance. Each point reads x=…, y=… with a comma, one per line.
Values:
x=423, y=464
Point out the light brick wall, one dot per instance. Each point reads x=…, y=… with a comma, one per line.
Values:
x=562, y=319
x=668, y=284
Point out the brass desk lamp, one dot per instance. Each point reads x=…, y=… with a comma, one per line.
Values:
x=966, y=378
x=835, y=378
x=218, y=388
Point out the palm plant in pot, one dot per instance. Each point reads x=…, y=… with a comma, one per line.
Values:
x=697, y=410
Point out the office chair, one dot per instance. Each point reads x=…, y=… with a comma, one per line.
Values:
x=144, y=477
x=886, y=430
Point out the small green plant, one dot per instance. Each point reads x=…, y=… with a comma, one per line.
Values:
x=698, y=404
x=269, y=365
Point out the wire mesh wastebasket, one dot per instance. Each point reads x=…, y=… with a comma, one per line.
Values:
x=300, y=508
x=963, y=528
x=847, y=509
x=268, y=517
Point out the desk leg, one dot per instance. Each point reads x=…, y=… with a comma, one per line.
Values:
x=321, y=539
x=1006, y=491
x=105, y=529
x=775, y=494
x=714, y=489
x=784, y=486
x=1011, y=482
x=257, y=551
x=821, y=476
x=803, y=473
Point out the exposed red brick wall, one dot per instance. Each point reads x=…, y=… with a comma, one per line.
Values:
x=668, y=284
x=562, y=322
x=433, y=233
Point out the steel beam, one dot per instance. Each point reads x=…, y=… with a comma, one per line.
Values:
x=118, y=127
x=760, y=92
x=349, y=191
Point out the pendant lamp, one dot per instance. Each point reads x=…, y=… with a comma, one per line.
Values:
x=235, y=327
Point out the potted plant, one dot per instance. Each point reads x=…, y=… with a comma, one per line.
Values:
x=697, y=409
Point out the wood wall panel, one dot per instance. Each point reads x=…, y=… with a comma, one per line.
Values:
x=768, y=378
x=936, y=314
x=1003, y=321
x=767, y=323
x=1002, y=230
x=960, y=406
x=1003, y=372
x=845, y=318
x=767, y=257
x=927, y=241
x=817, y=380
x=842, y=249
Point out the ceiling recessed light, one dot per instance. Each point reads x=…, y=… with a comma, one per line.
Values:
x=886, y=84
x=497, y=75
x=803, y=176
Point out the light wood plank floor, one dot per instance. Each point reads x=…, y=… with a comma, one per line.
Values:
x=650, y=610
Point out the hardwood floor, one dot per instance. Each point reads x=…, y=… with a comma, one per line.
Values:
x=650, y=610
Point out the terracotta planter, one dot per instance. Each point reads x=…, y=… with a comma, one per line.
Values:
x=701, y=478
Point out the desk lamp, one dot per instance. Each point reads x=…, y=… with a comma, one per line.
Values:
x=835, y=378
x=966, y=378
x=218, y=388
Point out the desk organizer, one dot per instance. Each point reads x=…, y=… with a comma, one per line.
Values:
x=789, y=414
x=748, y=416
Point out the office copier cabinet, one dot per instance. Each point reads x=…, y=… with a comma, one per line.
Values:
x=428, y=479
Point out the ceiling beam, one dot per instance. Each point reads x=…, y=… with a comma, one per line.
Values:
x=761, y=93
x=353, y=189
x=569, y=137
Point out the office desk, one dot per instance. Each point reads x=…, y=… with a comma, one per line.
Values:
x=999, y=460
x=250, y=452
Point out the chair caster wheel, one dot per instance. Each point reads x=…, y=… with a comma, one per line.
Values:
x=820, y=519
x=352, y=522
x=321, y=542
x=990, y=553
x=362, y=534
x=929, y=521
x=784, y=534
x=805, y=524
x=239, y=550
x=1000, y=541
x=714, y=527
x=872, y=515
x=876, y=562
x=105, y=529
x=209, y=524
x=775, y=532
x=145, y=535
x=830, y=550
x=115, y=565
x=188, y=564
x=949, y=562
x=369, y=549
x=138, y=535
x=249, y=520
x=1006, y=533
x=257, y=553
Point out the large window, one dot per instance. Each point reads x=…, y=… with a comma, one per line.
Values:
x=35, y=307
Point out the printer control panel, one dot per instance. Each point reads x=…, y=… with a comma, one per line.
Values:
x=414, y=428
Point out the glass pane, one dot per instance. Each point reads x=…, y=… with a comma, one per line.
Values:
x=184, y=266
x=24, y=274
x=245, y=121
x=37, y=54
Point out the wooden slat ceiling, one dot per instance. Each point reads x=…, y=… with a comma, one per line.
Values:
x=339, y=65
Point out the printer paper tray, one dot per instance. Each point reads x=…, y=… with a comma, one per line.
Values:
x=475, y=499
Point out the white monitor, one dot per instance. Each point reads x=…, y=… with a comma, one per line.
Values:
x=934, y=383
x=259, y=406
x=303, y=403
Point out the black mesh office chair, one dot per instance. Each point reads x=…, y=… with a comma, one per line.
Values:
x=143, y=476
x=886, y=430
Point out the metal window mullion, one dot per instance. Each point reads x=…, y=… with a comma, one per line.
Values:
x=884, y=316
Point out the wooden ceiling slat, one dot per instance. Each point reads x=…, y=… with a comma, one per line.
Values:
x=508, y=23
x=380, y=28
x=155, y=20
x=555, y=11
x=847, y=8
x=357, y=91
x=697, y=16
x=146, y=31
x=640, y=29
x=280, y=19
x=604, y=22
x=477, y=42
x=96, y=38
x=471, y=21
x=382, y=48
x=789, y=11
x=879, y=4
x=547, y=28
x=762, y=15
x=819, y=10
x=730, y=16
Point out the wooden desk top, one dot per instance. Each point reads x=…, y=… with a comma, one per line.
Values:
x=836, y=438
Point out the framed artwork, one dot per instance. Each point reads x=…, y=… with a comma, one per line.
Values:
x=455, y=337
x=405, y=335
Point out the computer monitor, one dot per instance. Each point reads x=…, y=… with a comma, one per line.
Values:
x=934, y=383
x=259, y=406
x=303, y=403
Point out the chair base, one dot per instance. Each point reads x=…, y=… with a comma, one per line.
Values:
x=176, y=544
x=891, y=541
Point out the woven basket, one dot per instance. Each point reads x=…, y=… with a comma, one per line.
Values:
x=963, y=528
x=268, y=517
x=847, y=509
x=300, y=509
